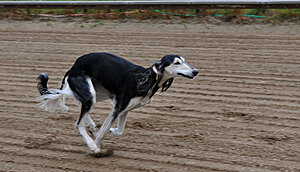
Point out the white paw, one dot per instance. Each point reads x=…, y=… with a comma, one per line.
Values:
x=115, y=132
x=94, y=148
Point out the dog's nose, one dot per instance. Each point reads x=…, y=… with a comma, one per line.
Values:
x=195, y=72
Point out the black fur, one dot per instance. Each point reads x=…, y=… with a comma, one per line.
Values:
x=114, y=73
x=119, y=76
x=145, y=81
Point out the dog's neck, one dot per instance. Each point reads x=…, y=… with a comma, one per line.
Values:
x=149, y=81
x=165, y=77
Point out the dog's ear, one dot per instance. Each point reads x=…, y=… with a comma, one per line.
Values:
x=159, y=65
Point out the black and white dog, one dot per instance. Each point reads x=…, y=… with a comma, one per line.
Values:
x=99, y=76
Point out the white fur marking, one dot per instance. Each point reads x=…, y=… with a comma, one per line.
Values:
x=133, y=103
x=92, y=90
x=178, y=60
x=154, y=69
x=182, y=59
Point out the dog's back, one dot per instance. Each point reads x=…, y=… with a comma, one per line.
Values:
x=105, y=69
x=100, y=65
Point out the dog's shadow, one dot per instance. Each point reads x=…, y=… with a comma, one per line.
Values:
x=103, y=153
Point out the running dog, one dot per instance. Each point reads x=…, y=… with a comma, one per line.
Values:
x=96, y=77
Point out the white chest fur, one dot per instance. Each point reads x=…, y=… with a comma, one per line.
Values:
x=138, y=102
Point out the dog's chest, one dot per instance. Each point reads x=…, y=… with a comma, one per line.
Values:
x=137, y=102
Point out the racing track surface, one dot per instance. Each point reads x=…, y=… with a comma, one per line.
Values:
x=242, y=113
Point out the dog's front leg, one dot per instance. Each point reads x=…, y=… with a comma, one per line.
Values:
x=106, y=126
x=121, y=125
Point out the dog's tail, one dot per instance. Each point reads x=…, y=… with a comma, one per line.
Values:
x=52, y=100
x=42, y=81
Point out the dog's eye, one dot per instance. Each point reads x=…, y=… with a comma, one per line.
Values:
x=177, y=63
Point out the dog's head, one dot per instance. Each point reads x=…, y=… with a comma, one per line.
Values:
x=174, y=65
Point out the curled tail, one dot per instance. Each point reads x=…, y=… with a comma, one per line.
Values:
x=42, y=81
x=54, y=100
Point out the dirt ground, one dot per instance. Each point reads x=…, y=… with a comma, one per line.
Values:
x=242, y=113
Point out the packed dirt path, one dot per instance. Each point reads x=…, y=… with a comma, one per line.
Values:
x=242, y=113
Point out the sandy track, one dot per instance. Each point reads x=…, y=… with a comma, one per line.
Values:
x=241, y=114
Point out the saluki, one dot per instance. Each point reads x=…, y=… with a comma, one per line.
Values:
x=96, y=77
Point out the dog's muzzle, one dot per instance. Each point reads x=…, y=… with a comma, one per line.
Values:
x=195, y=72
x=189, y=75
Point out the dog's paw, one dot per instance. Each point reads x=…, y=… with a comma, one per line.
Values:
x=115, y=132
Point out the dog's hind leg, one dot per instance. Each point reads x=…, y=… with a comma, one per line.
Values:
x=121, y=125
x=85, y=93
x=81, y=128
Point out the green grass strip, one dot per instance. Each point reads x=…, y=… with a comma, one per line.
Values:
x=217, y=15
